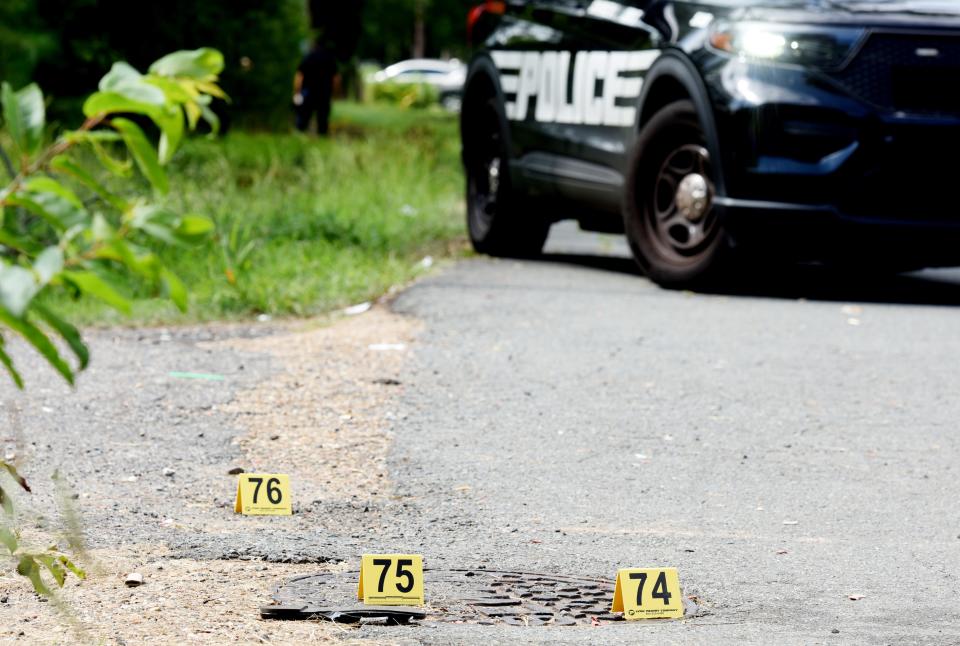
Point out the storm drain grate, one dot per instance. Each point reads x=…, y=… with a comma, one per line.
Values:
x=457, y=596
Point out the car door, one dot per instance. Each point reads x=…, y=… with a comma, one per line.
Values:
x=572, y=71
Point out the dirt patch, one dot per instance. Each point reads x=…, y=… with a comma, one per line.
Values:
x=181, y=601
x=319, y=415
x=323, y=414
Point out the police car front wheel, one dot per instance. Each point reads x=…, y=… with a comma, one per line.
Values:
x=670, y=221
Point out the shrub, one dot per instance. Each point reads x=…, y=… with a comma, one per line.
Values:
x=63, y=227
x=260, y=42
x=405, y=95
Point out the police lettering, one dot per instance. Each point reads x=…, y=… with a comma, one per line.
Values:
x=592, y=88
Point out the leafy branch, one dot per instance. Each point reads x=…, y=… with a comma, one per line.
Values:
x=63, y=228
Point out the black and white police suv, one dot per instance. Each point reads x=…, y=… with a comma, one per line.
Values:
x=710, y=129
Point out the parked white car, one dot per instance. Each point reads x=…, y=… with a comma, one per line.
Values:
x=445, y=75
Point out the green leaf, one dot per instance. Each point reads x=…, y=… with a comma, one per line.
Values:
x=47, y=198
x=50, y=185
x=13, y=241
x=212, y=89
x=6, y=502
x=175, y=90
x=211, y=118
x=70, y=565
x=200, y=64
x=90, y=136
x=18, y=286
x=68, y=332
x=118, y=167
x=156, y=221
x=143, y=153
x=175, y=289
x=101, y=228
x=170, y=122
x=119, y=251
x=8, y=539
x=37, y=209
x=64, y=165
x=11, y=114
x=28, y=567
x=193, y=114
x=162, y=233
x=194, y=226
x=35, y=337
x=53, y=565
x=91, y=284
x=125, y=80
x=122, y=73
x=48, y=264
x=104, y=103
x=19, y=479
x=25, y=116
x=11, y=370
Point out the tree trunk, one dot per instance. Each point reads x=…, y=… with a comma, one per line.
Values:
x=419, y=35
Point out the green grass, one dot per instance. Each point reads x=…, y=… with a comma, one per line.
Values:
x=305, y=225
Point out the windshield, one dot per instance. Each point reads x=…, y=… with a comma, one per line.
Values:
x=932, y=6
x=924, y=7
x=908, y=6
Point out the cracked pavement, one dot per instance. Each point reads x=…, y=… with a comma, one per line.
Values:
x=785, y=446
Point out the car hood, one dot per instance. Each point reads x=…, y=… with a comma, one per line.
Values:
x=936, y=13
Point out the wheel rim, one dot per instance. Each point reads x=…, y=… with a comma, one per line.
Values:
x=485, y=171
x=681, y=216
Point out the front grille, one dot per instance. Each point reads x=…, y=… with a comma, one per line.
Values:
x=912, y=73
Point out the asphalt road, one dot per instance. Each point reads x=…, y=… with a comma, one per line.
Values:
x=784, y=446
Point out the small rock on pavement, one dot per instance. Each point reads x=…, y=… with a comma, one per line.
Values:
x=359, y=308
x=133, y=580
x=835, y=631
x=373, y=621
x=855, y=597
x=235, y=471
x=382, y=347
x=169, y=472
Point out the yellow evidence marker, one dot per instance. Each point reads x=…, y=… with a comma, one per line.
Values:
x=263, y=494
x=648, y=593
x=391, y=580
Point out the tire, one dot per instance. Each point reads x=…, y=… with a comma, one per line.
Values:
x=496, y=220
x=675, y=234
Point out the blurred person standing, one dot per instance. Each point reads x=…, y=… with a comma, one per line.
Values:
x=313, y=87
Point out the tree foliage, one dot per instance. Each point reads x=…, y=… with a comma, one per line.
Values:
x=24, y=40
x=63, y=226
x=388, y=28
x=64, y=45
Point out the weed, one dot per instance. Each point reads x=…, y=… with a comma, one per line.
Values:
x=305, y=225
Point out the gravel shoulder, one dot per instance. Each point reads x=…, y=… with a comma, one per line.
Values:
x=148, y=452
x=565, y=416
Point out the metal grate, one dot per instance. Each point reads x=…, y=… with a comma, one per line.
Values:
x=459, y=596
x=914, y=73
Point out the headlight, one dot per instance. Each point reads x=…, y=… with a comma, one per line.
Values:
x=822, y=47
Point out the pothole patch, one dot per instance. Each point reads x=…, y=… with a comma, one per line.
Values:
x=459, y=596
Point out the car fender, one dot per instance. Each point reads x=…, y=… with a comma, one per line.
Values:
x=675, y=65
x=482, y=65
